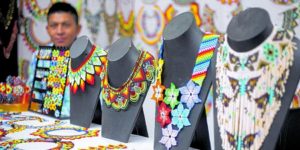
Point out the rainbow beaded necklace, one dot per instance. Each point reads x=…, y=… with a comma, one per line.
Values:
x=168, y=102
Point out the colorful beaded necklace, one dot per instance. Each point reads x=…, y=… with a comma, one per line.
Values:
x=12, y=144
x=170, y=12
x=9, y=15
x=84, y=133
x=56, y=81
x=154, y=37
x=92, y=65
x=250, y=87
x=29, y=37
x=126, y=27
x=136, y=85
x=229, y=1
x=36, y=11
x=168, y=101
x=106, y=147
x=284, y=2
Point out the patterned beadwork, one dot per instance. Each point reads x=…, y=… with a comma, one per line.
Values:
x=250, y=87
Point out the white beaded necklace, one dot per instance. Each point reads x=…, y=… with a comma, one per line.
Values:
x=250, y=86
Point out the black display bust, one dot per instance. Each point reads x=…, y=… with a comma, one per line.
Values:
x=85, y=107
x=181, y=40
x=246, y=31
x=118, y=125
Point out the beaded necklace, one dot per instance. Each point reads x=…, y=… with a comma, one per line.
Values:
x=9, y=15
x=229, y=1
x=284, y=2
x=56, y=81
x=30, y=38
x=250, y=86
x=290, y=18
x=93, y=20
x=167, y=101
x=36, y=11
x=136, y=85
x=170, y=12
x=154, y=37
x=110, y=21
x=126, y=27
x=92, y=65
x=13, y=144
x=84, y=133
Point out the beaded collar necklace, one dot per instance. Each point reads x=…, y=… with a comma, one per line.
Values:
x=250, y=87
x=92, y=65
x=126, y=27
x=136, y=85
x=173, y=114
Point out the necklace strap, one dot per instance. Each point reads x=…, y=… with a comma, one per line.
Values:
x=205, y=53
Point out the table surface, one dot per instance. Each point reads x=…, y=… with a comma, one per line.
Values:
x=135, y=142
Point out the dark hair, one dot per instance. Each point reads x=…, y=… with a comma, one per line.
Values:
x=63, y=7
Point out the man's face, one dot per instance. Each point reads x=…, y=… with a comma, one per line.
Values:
x=62, y=28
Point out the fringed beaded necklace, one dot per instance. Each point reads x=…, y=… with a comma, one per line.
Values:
x=250, y=88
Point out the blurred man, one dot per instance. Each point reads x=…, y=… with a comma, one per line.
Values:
x=63, y=24
x=63, y=28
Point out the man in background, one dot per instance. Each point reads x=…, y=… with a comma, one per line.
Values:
x=63, y=27
x=62, y=24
